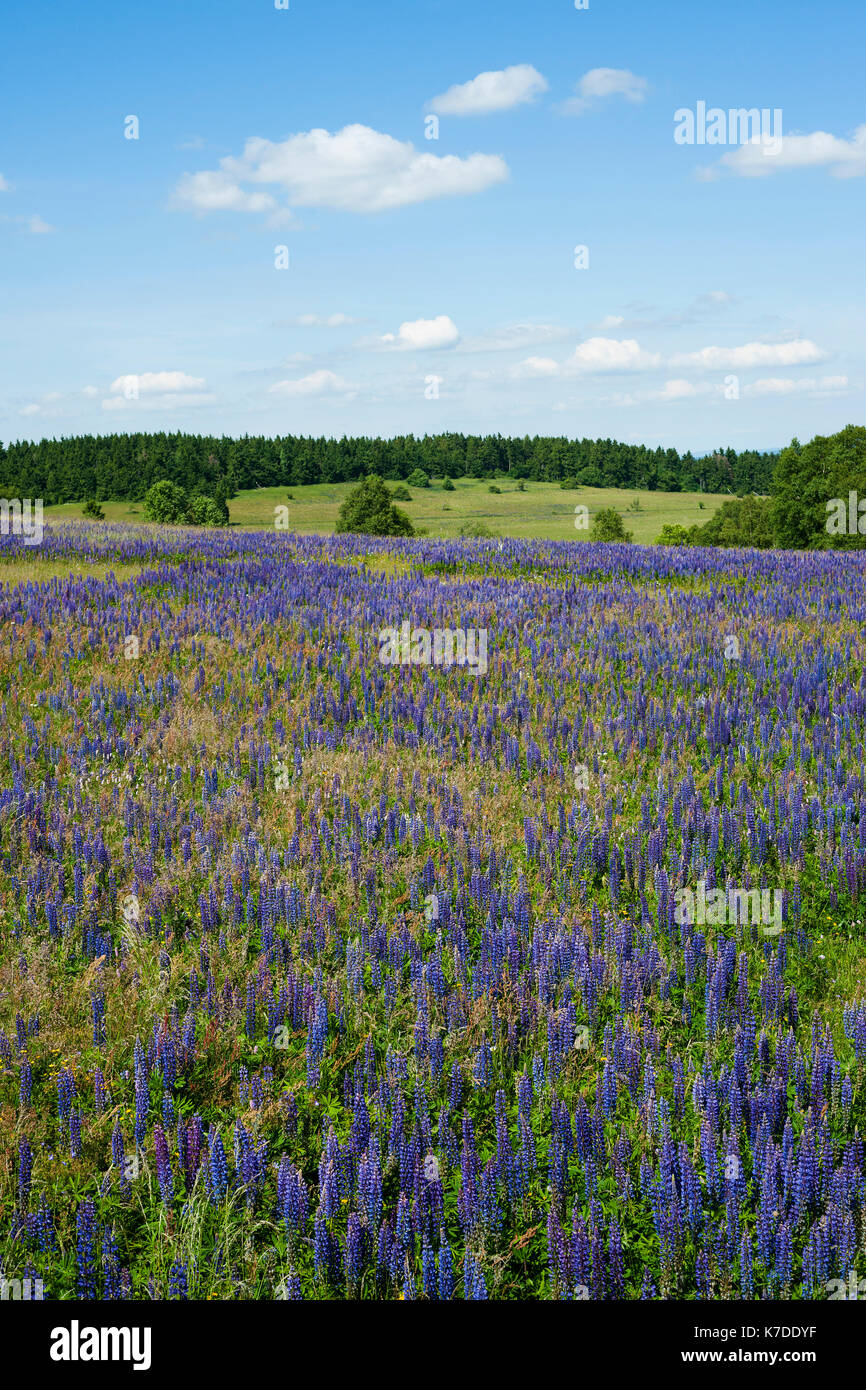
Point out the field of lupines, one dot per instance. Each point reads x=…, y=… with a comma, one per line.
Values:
x=323, y=978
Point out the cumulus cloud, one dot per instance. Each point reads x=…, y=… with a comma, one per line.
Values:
x=612, y=355
x=150, y=383
x=677, y=389
x=213, y=190
x=791, y=354
x=419, y=334
x=321, y=383
x=845, y=159
x=536, y=367
x=599, y=83
x=491, y=91
x=356, y=169
x=593, y=355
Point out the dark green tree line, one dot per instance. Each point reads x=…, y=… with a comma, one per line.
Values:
x=122, y=467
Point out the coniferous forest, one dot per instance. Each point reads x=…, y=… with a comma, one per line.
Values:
x=121, y=467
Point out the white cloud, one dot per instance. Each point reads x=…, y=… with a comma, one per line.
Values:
x=612, y=355
x=36, y=226
x=324, y=320
x=89, y=391
x=491, y=91
x=846, y=159
x=536, y=367
x=4, y=187
x=29, y=410
x=357, y=169
x=212, y=190
x=592, y=355
x=319, y=383
x=611, y=321
x=599, y=83
x=791, y=354
x=149, y=383
x=424, y=333
x=790, y=386
x=676, y=389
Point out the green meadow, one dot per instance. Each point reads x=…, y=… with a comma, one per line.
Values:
x=543, y=511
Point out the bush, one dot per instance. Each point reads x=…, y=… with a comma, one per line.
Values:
x=608, y=525
x=810, y=476
x=418, y=478
x=494, y=488
x=570, y=485
x=166, y=503
x=401, y=493
x=475, y=530
x=746, y=521
x=591, y=477
x=447, y=485
x=676, y=535
x=203, y=511
x=92, y=508
x=369, y=511
x=521, y=485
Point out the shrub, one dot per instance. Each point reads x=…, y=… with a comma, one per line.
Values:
x=203, y=511
x=447, y=485
x=92, y=508
x=401, y=493
x=745, y=521
x=475, y=530
x=165, y=502
x=369, y=511
x=418, y=478
x=608, y=525
x=494, y=488
x=676, y=535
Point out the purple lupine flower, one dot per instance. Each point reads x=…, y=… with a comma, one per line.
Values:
x=446, y=1269
x=164, y=1175
x=25, y=1172
x=85, y=1250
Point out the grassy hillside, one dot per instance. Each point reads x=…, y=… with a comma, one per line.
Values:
x=543, y=511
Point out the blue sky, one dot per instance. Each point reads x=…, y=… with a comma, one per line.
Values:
x=431, y=283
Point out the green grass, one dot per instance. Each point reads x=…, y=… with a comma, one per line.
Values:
x=543, y=512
